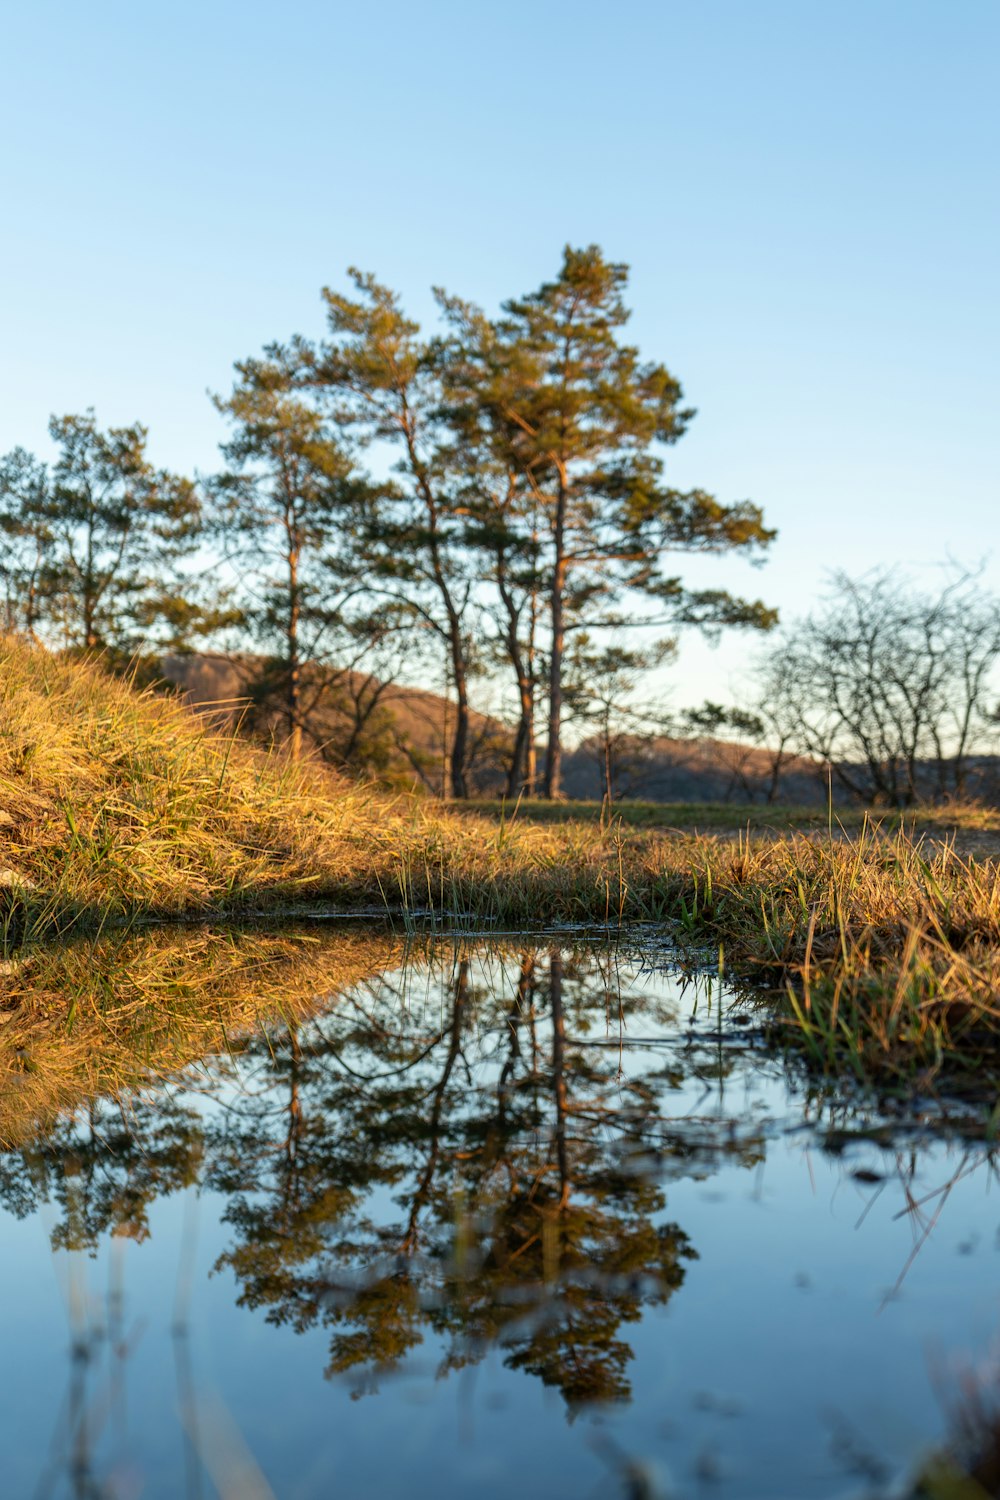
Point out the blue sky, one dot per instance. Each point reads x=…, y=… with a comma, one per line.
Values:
x=807, y=194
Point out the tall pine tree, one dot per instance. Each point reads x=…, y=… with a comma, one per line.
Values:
x=382, y=381
x=575, y=412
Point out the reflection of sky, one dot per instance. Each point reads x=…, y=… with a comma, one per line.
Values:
x=779, y=1340
x=806, y=194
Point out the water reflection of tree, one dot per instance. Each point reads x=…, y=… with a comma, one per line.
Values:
x=469, y=1162
x=103, y=1167
x=523, y=1173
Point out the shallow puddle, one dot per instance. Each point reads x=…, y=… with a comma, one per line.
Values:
x=521, y=1221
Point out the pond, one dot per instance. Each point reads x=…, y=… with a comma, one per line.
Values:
x=535, y=1218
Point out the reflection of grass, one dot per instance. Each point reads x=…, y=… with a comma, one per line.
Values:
x=108, y=1015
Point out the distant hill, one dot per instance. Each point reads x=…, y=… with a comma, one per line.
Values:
x=401, y=735
x=666, y=769
x=711, y=770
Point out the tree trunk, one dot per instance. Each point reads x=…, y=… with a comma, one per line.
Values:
x=531, y=763
x=294, y=1135
x=608, y=794
x=90, y=640
x=553, y=764
x=425, y=1181
x=453, y=632
x=294, y=665
x=89, y=595
x=460, y=744
x=515, y=779
x=559, y=1074
x=521, y=776
x=523, y=770
x=777, y=760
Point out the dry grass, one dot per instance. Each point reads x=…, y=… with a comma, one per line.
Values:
x=701, y=817
x=115, y=802
x=117, y=805
x=884, y=951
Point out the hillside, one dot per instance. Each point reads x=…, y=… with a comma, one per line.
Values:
x=118, y=804
x=400, y=735
x=666, y=769
x=397, y=734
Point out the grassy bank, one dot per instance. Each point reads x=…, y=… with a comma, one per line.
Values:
x=116, y=805
x=884, y=955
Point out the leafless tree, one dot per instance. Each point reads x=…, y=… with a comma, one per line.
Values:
x=888, y=685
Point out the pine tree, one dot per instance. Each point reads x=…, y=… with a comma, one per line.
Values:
x=575, y=412
x=100, y=536
x=284, y=510
x=502, y=527
x=382, y=384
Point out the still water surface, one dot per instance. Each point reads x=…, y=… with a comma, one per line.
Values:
x=537, y=1222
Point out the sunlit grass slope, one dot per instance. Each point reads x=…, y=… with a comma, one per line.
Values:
x=116, y=803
